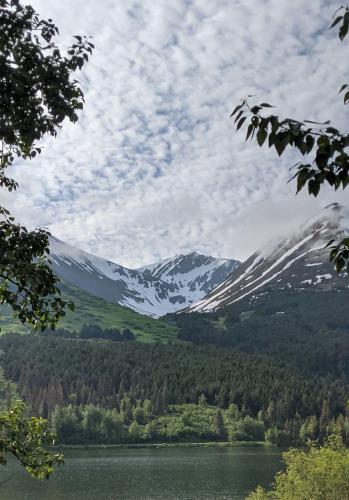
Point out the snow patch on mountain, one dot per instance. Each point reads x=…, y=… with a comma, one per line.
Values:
x=154, y=290
x=290, y=262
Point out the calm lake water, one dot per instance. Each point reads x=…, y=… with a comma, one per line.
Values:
x=149, y=474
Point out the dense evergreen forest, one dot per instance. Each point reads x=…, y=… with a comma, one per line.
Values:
x=274, y=367
x=307, y=329
x=103, y=391
x=93, y=332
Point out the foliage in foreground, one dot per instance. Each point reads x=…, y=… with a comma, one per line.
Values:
x=27, y=283
x=37, y=92
x=322, y=472
x=25, y=438
x=22, y=436
x=326, y=145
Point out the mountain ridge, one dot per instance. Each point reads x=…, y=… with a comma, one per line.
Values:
x=153, y=290
x=298, y=261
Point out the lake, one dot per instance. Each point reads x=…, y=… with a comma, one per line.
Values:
x=149, y=474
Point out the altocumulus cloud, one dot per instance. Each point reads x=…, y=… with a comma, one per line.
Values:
x=153, y=167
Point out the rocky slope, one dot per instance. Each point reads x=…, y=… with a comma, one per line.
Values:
x=153, y=290
x=297, y=262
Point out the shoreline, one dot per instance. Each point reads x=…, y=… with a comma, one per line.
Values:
x=208, y=444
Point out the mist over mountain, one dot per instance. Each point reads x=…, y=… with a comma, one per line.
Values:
x=298, y=262
x=200, y=283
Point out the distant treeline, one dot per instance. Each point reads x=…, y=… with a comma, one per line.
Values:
x=136, y=422
x=93, y=332
x=53, y=372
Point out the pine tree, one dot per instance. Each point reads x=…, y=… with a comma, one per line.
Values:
x=219, y=427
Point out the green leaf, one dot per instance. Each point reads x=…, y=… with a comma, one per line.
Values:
x=238, y=116
x=255, y=121
x=329, y=243
x=343, y=87
x=266, y=105
x=241, y=122
x=339, y=262
x=332, y=130
x=314, y=187
x=302, y=147
x=331, y=177
x=336, y=21
x=302, y=178
x=323, y=141
x=271, y=139
x=236, y=109
x=310, y=141
x=274, y=124
x=344, y=28
x=255, y=110
x=25, y=438
x=262, y=134
x=321, y=160
x=333, y=254
x=249, y=131
x=281, y=141
x=318, y=123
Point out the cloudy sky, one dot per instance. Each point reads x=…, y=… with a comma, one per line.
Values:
x=153, y=167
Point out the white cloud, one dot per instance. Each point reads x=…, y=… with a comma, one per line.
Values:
x=153, y=167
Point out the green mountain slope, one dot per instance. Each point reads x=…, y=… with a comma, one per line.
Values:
x=307, y=329
x=95, y=311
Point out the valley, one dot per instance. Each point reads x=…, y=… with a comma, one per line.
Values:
x=92, y=310
x=154, y=290
x=174, y=321
x=262, y=357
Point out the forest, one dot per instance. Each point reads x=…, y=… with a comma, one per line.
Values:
x=96, y=391
x=306, y=329
x=93, y=332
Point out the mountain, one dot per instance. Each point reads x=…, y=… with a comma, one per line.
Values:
x=153, y=290
x=93, y=310
x=286, y=302
x=298, y=262
x=194, y=274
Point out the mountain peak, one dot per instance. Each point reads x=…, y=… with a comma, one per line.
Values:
x=334, y=212
x=297, y=262
x=187, y=267
x=334, y=215
x=334, y=206
x=155, y=290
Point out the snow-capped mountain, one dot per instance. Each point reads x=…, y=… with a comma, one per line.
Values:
x=153, y=290
x=297, y=262
x=194, y=273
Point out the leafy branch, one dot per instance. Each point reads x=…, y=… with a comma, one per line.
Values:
x=27, y=282
x=38, y=92
x=25, y=437
x=328, y=145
